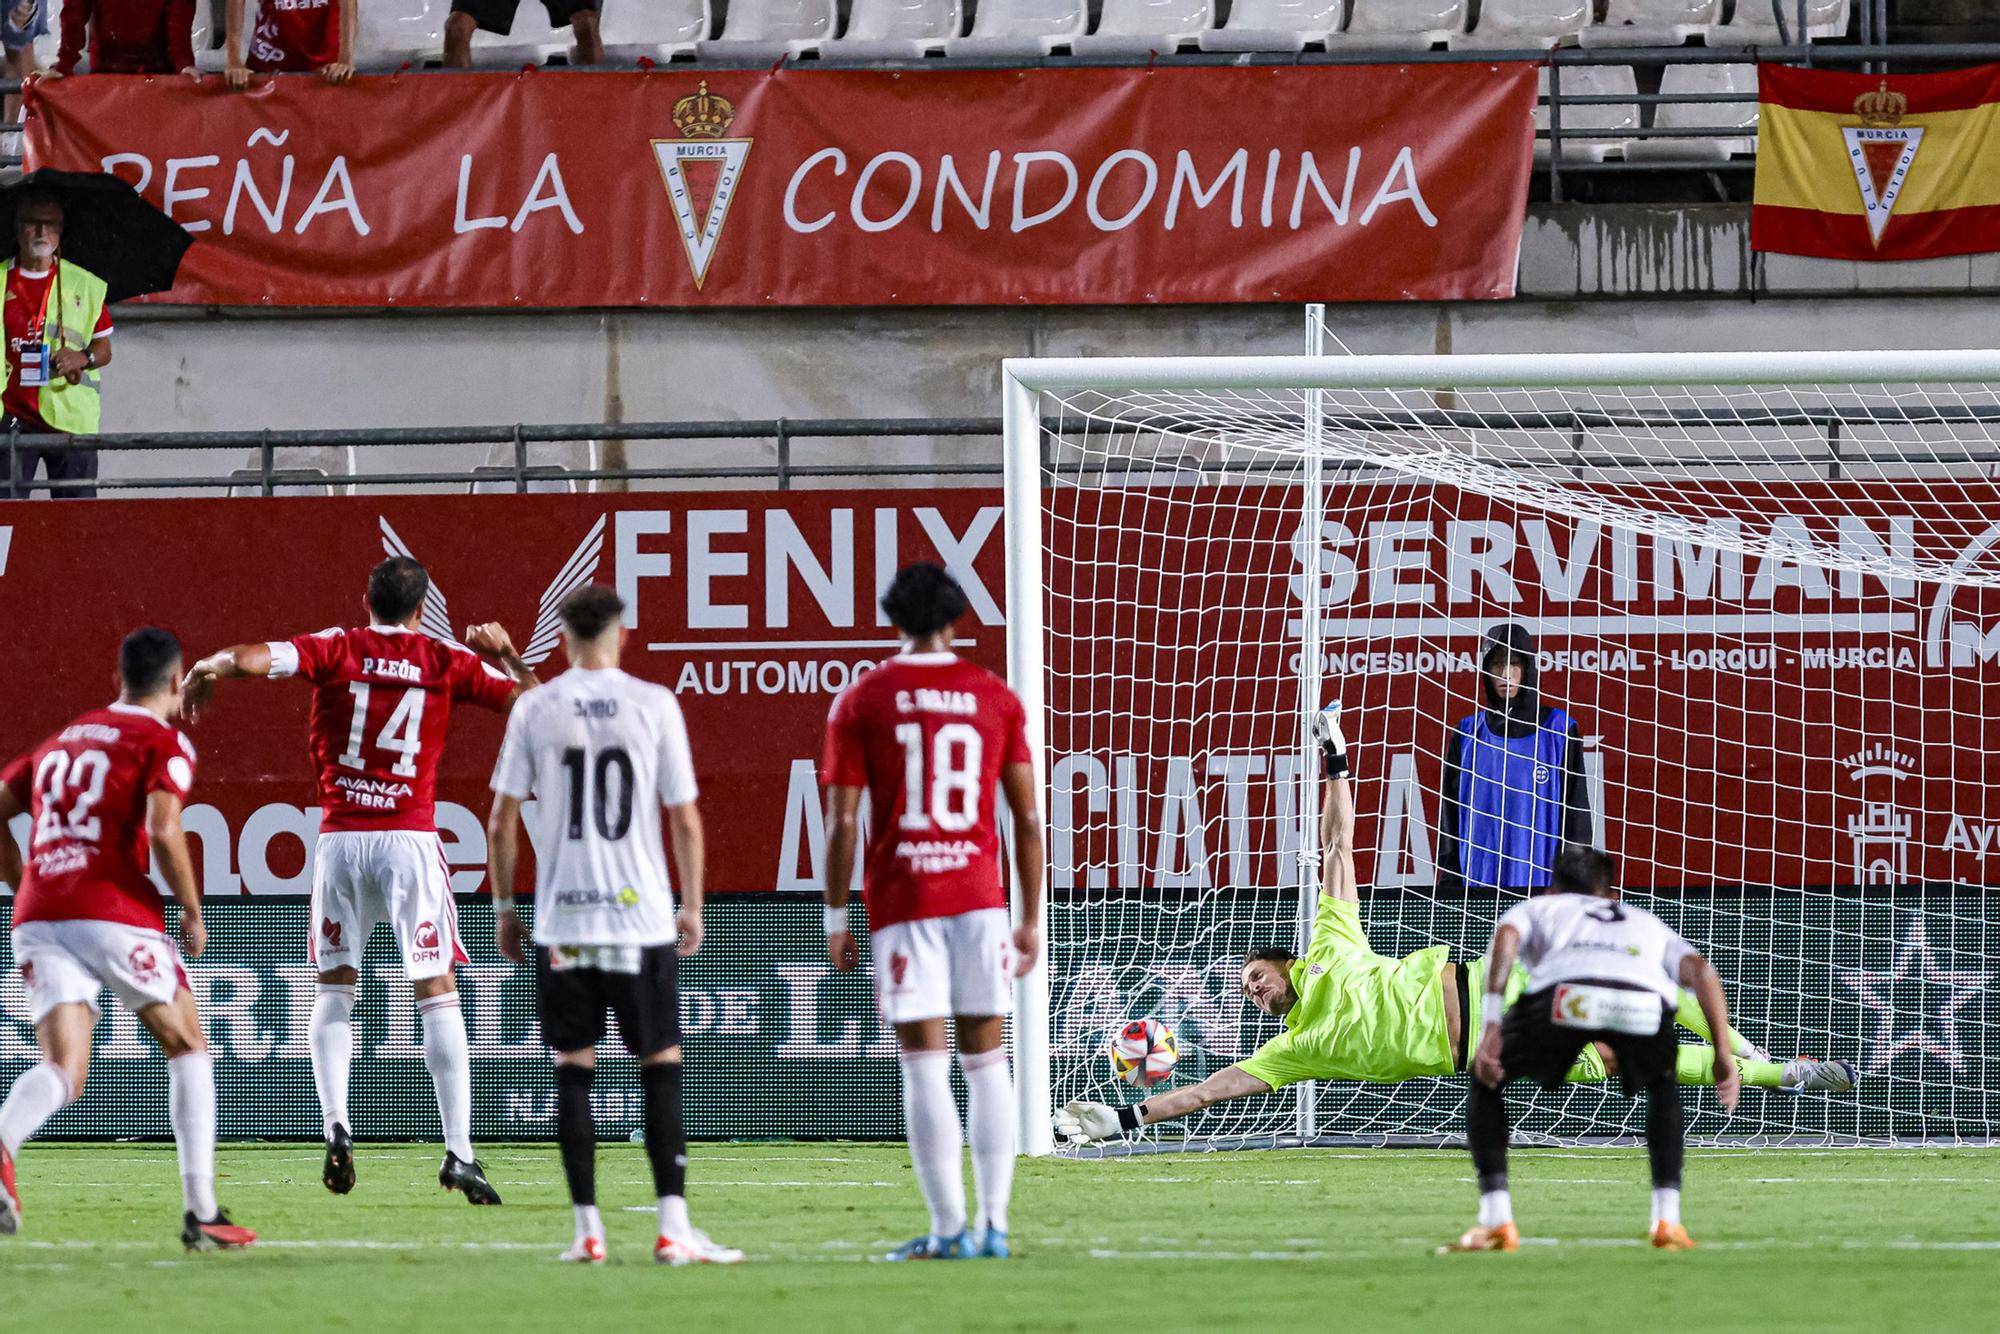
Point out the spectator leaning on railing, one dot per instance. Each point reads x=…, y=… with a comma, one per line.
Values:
x=58, y=333
x=128, y=37
x=292, y=36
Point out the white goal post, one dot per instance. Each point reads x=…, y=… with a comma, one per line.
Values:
x=1766, y=590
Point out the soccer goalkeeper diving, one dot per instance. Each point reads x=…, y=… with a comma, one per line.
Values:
x=1350, y=1013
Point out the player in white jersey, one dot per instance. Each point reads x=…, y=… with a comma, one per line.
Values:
x=1599, y=971
x=602, y=753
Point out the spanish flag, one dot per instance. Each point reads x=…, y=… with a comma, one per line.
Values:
x=1862, y=166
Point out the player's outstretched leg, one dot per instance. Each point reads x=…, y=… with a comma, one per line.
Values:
x=576, y=1136
x=40, y=1092
x=1695, y=1064
x=1666, y=1148
x=936, y=1147
x=680, y=1241
x=989, y=1124
x=1486, y=1131
x=332, y=1040
x=449, y=1058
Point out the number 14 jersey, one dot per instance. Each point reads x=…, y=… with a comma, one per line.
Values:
x=382, y=699
x=601, y=752
x=927, y=735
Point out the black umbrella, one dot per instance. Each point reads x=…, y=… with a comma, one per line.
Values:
x=107, y=228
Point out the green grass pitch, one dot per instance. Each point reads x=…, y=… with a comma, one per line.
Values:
x=1297, y=1240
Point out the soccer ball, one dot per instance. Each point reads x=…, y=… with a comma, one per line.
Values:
x=1143, y=1052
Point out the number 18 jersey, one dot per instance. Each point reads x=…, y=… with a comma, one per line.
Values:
x=601, y=752
x=382, y=699
x=927, y=735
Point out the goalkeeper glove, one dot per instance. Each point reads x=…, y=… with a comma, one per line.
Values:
x=1332, y=744
x=1089, y=1122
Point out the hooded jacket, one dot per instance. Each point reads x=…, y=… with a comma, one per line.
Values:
x=1514, y=788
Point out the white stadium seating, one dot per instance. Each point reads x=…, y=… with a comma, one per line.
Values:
x=1730, y=115
x=1653, y=22
x=1609, y=125
x=1276, y=25
x=768, y=29
x=389, y=34
x=656, y=30
x=1138, y=27
x=1756, y=24
x=1522, y=25
x=1399, y=25
x=1021, y=28
x=895, y=29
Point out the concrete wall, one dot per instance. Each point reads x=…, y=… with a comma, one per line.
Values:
x=1592, y=278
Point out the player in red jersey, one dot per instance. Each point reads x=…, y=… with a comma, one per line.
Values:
x=105, y=794
x=932, y=738
x=382, y=697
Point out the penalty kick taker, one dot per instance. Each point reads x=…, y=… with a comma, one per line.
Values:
x=1349, y=1013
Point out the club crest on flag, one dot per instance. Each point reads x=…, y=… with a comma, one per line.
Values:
x=1882, y=150
x=701, y=170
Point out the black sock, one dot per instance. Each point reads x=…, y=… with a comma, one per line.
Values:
x=576, y=1131
x=1666, y=1138
x=666, y=1137
x=1486, y=1132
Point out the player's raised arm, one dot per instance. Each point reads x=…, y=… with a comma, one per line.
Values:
x=226, y=665
x=1336, y=812
x=170, y=855
x=491, y=640
x=1084, y=1122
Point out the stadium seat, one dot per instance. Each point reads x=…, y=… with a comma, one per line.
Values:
x=895, y=29
x=1730, y=116
x=655, y=30
x=1140, y=27
x=1522, y=25
x=1399, y=25
x=297, y=471
x=1616, y=121
x=768, y=29
x=1652, y=22
x=1276, y=25
x=1756, y=23
x=389, y=34
x=1021, y=29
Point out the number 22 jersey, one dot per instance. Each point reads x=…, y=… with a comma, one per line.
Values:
x=927, y=735
x=382, y=700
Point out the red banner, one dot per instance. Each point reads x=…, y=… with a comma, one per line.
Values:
x=1055, y=186
x=754, y=608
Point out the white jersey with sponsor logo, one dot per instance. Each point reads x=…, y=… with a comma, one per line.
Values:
x=600, y=752
x=1574, y=937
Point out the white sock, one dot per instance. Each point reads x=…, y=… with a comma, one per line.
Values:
x=1495, y=1207
x=332, y=1039
x=589, y=1223
x=674, y=1216
x=931, y=1114
x=449, y=1057
x=191, y=1086
x=1667, y=1205
x=989, y=1124
x=40, y=1092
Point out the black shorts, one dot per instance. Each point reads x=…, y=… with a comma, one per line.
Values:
x=1534, y=1046
x=498, y=15
x=572, y=1002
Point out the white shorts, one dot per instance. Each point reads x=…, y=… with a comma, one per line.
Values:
x=398, y=876
x=937, y=967
x=69, y=963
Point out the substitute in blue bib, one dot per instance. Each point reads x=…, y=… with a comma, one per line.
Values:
x=1514, y=792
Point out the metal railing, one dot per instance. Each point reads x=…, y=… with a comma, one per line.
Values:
x=1832, y=447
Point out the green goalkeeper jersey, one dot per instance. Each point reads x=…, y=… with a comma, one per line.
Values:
x=1359, y=1015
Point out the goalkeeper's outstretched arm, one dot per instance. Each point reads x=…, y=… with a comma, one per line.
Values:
x=1087, y=1122
x=1336, y=809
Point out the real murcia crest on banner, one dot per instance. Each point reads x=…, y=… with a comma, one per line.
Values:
x=701, y=170
x=1881, y=149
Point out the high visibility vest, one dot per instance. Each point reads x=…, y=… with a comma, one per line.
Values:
x=73, y=409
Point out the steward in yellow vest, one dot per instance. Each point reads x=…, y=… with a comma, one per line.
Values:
x=57, y=341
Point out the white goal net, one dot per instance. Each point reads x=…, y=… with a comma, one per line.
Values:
x=1764, y=589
